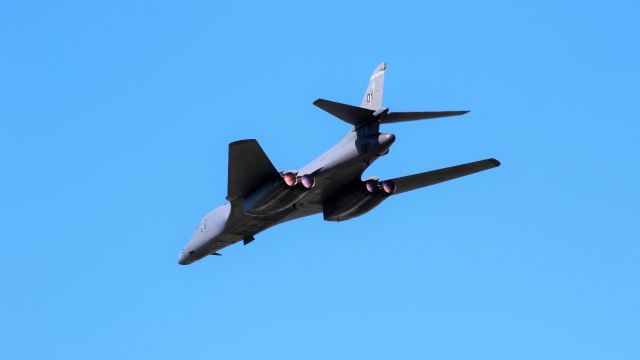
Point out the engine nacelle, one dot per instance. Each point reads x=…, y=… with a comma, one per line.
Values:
x=357, y=201
x=278, y=195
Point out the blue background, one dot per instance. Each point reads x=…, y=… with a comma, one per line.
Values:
x=114, y=124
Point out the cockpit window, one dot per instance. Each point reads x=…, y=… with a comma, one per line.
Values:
x=203, y=225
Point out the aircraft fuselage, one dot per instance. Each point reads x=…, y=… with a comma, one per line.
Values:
x=260, y=196
x=334, y=171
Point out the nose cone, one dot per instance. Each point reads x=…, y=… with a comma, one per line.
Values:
x=184, y=258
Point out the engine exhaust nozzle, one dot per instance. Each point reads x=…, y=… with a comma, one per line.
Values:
x=290, y=178
x=308, y=181
x=388, y=187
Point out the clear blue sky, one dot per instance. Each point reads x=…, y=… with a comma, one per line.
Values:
x=114, y=124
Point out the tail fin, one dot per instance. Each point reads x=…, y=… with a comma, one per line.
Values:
x=372, y=99
x=371, y=107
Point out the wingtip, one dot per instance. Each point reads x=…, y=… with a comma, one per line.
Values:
x=237, y=142
x=495, y=162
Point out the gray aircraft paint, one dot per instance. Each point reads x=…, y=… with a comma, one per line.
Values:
x=259, y=197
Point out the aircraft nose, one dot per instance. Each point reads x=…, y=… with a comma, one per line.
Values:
x=183, y=258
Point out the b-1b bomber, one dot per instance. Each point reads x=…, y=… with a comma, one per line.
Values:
x=259, y=196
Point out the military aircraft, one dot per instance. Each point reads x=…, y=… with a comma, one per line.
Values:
x=261, y=197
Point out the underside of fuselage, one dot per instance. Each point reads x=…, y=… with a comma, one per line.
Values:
x=260, y=196
x=339, y=168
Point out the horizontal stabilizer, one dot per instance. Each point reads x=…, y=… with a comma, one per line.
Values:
x=395, y=117
x=429, y=178
x=353, y=115
x=249, y=167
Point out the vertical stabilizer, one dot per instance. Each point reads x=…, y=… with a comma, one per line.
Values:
x=373, y=96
